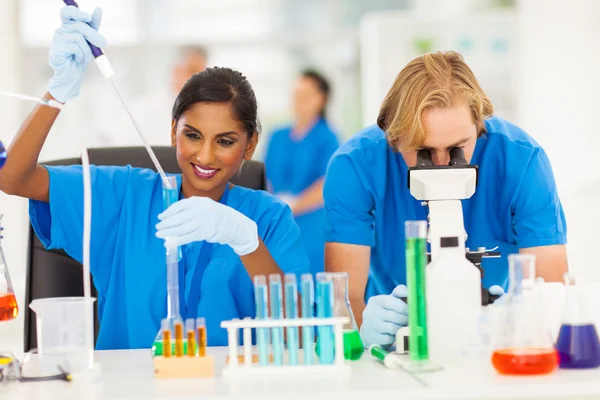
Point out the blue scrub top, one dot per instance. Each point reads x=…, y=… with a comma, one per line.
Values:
x=292, y=165
x=128, y=261
x=515, y=204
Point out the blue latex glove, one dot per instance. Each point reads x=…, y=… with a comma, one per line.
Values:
x=69, y=52
x=383, y=316
x=199, y=218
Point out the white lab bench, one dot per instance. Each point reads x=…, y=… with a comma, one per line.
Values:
x=128, y=374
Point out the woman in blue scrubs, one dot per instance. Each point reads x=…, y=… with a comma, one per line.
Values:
x=297, y=158
x=437, y=104
x=229, y=234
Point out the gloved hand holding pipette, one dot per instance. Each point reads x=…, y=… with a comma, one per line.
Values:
x=383, y=316
x=199, y=218
x=70, y=54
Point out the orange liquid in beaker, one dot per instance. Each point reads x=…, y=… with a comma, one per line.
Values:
x=8, y=307
x=525, y=361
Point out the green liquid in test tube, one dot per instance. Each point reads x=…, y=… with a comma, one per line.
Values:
x=416, y=261
x=170, y=195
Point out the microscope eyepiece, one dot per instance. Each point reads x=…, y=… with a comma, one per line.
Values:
x=424, y=158
x=457, y=157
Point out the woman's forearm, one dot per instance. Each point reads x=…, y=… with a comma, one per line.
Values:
x=260, y=262
x=21, y=175
x=310, y=199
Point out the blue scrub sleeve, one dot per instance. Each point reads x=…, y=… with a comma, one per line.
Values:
x=349, y=207
x=538, y=218
x=59, y=223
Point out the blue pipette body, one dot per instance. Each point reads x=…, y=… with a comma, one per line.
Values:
x=308, y=332
x=262, y=312
x=291, y=312
x=2, y=154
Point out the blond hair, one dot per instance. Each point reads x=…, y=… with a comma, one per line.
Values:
x=435, y=80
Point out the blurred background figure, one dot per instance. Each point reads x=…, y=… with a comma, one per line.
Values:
x=297, y=158
x=152, y=108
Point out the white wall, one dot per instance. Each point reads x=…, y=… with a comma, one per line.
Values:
x=559, y=86
x=14, y=209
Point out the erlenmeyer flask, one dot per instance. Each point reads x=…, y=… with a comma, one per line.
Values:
x=577, y=345
x=524, y=344
x=353, y=346
x=8, y=301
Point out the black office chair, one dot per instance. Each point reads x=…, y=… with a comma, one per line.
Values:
x=52, y=273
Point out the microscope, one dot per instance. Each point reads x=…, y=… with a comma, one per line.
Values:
x=441, y=189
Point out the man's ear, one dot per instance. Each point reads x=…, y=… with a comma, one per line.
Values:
x=174, y=133
x=251, y=147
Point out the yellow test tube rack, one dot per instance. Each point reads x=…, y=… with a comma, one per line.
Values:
x=193, y=363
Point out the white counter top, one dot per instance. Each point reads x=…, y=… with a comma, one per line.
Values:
x=129, y=375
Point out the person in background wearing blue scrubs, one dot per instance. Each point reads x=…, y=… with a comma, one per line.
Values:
x=437, y=104
x=229, y=234
x=297, y=158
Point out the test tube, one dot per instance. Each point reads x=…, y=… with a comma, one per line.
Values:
x=166, y=336
x=262, y=312
x=325, y=310
x=201, y=328
x=170, y=195
x=291, y=312
x=276, y=300
x=191, y=337
x=308, y=300
x=178, y=338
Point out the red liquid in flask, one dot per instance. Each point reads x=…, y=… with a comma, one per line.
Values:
x=525, y=361
x=8, y=307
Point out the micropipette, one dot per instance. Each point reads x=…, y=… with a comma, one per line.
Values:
x=107, y=71
x=262, y=312
x=45, y=102
x=291, y=312
x=308, y=333
x=275, y=298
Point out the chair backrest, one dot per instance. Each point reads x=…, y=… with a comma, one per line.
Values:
x=52, y=273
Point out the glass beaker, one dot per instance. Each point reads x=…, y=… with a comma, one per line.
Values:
x=524, y=343
x=62, y=333
x=353, y=346
x=8, y=302
x=416, y=260
x=577, y=344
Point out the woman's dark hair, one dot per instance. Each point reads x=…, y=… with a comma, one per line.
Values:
x=220, y=85
x=322, y=84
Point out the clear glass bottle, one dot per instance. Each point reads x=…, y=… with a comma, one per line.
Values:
x=524, y=343
x=577, y=344
x=353, y=346
x=8, y=302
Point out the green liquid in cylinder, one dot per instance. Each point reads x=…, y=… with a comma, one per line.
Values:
x=353, y=346
x=416, y=259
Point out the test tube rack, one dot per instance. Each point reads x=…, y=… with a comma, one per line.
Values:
x=184, y=367
x=248, y=367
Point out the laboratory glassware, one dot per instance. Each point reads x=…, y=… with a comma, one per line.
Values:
x=577, y=344
x=201, y=328
x=262, y=312
x=8, y=302
x=291, y=312
x=62, y=333
x=325, y=303
x=524, y=343
x=276, y=302
x=173, y=256
x=416, y=260
x=308, y=332
x=353, y=346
